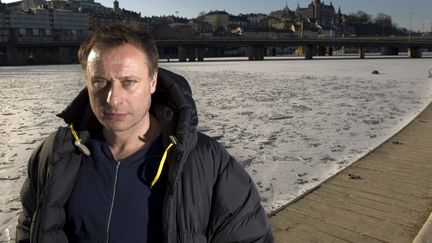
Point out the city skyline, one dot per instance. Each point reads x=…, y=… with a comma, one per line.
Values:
x=414, y=13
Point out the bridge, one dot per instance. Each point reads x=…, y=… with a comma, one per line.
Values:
x=195, y=49
x=21, y=53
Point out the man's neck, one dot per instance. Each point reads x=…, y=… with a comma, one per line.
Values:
x=124, y=144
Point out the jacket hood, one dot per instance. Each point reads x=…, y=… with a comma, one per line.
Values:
x=172, y=105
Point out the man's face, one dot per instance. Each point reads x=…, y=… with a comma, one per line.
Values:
x=120, y=87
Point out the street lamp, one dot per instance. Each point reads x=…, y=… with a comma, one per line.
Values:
x=409, y=31
x=177, y=23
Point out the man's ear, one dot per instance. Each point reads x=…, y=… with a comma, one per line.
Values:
x=153, y=81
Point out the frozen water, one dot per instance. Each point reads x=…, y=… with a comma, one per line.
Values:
x=291, y=123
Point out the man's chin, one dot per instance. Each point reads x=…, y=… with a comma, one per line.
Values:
x=115, y=126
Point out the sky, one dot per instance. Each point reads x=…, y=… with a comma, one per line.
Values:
x=406, y=13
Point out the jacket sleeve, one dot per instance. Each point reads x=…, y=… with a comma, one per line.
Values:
x=28, y=199
x=237, y=214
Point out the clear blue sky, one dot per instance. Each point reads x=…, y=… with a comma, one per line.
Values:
x=399, y=10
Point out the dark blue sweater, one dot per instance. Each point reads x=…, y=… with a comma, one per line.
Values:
x=112, y=201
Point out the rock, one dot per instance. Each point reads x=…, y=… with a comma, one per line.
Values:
x=301, y=174
x=301, y=181
x=375, y=72
x=354, y=177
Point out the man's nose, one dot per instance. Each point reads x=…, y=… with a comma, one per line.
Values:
x=115, y=94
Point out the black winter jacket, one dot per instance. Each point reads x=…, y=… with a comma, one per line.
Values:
x=209, y=197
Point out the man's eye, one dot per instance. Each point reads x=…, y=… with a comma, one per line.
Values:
x=100, y=83
x=129, y=82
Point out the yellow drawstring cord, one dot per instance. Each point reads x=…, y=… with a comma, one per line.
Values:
x=77, y=142
x=161, y=164
x=74, y=134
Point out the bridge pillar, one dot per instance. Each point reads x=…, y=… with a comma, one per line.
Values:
x=414, y=52
x=321, y=51
x=64, y=55
x=309, y=52
x=11, y=55
x=200, y=53
x=361, y=52
x=389, y=51
x=250, y=54
x=256, y=53
x=191, y=53
x=15, y=56
x=262, y=52
x=330, y=51
x=182, y=54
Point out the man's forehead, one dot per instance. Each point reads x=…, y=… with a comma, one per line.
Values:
x=96, y=53
x=93, y=56
x=98, y=65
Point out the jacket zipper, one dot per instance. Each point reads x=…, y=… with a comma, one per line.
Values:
x=112, y=202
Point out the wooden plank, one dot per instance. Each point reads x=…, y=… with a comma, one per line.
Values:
x=402, y=155
x=373, y=197
x=397, y=165
x=390, y=176
x=372, y=227
x=365, y=209
x=377, y=191
x=282, y=236
x=280, y=222
x=368, y=180
x=328, y=227
x=310, y=234
x=402, y=160
x=381, y=206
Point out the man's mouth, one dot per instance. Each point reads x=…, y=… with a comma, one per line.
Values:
x=115, y=115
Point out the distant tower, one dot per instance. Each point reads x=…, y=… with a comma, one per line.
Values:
x=27, y=5
x=316, y=9
x=286, y=7
x=116, y=7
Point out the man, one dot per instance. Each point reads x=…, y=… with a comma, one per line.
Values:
x=131, y=166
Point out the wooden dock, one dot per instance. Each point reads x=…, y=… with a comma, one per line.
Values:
x=384, y=197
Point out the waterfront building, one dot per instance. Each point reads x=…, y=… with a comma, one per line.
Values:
x=87, y=6
x=318, y=12
x=202, y=28
x=30, y=27
x=217, y=19
x=70, y=26
x=173, y=31
x=257, y=19
x=238, y=21
x=40, y=35
x=4, y=28
x=46, y=25
x=285, y=14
